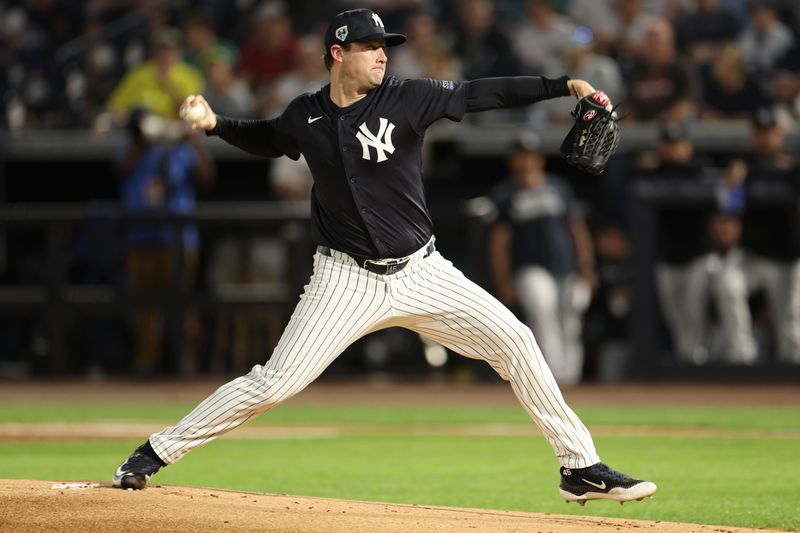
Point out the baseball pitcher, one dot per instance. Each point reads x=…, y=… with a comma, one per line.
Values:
x=376, y=263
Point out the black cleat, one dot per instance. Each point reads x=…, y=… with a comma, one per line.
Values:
x=136, y=471
x=601, y=482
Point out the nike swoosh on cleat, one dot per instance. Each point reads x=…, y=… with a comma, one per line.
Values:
x=601, y=485
x=310, y=120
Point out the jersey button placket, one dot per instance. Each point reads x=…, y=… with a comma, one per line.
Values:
x=365, y=212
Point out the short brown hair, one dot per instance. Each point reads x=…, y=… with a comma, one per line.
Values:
x=328, y=58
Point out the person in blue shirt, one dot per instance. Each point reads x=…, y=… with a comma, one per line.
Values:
x=159, y=171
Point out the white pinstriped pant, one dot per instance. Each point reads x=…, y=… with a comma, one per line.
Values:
x=343, y=302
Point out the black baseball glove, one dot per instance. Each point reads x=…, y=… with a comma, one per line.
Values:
x=594, y=137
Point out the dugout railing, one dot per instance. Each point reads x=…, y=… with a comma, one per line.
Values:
x=53, y=297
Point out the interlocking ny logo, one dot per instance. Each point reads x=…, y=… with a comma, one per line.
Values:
x=367, y=139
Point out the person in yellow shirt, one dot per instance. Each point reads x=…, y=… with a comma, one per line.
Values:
x=159, y=84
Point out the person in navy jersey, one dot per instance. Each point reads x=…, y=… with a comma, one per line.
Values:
x=540, y=254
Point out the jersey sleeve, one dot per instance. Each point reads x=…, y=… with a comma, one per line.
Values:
x=428, y=100
x=267, y=138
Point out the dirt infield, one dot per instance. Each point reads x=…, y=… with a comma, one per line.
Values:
x=34, y=506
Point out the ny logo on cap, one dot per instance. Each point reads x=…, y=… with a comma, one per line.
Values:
x=377, y=19
x=341, y=33
x=369, y=139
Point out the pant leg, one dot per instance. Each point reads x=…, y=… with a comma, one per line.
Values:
x=791, y=333
x=784, y=295
x=340, y=304
x=439, y=302
x=668, y=286
x=574, y=299
x=538, y=295
x=696, y=297
x=681, y=310
x=731, y=292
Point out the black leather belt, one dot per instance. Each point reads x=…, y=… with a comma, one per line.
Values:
x=382, y=267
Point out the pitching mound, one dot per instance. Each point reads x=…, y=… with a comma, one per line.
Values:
x=89, y=506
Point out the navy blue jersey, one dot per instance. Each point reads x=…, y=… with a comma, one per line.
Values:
x=366, y=159
x=368, y=198
x=540, y=217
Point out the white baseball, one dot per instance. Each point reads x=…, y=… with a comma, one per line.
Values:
x=193, y=113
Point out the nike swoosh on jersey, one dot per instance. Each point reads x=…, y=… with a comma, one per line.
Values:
x=601, y=485
x=310, y=120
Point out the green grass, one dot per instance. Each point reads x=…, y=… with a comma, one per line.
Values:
x=731, y=479
x=772, y=418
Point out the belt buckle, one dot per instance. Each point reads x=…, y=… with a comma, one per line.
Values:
x=386, y=268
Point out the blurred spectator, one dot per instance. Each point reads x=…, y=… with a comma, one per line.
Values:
x=540, y=254
x=28, y=92
x=765, y=40
x=542, y=37
x=583, y=63
x=728, y=90
x=144, y=25
x=633, y=23
x=737, y=7
x=658, y=86
x=599, y=16
x=618, y=25
x=482, y=47
x=727, y=270
x=772, y=231
x=785, y=86
x=58, y=22
x=308, y=75
x=88, y=88
x=225, y=92
x=200, y=36
x=426, y=53
x=270, y=48
x=699, y=32
x=159, y=84
x=686, y=271
x=159, y=170
x=393, y=12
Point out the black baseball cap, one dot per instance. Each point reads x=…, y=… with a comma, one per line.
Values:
x=359, y=25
